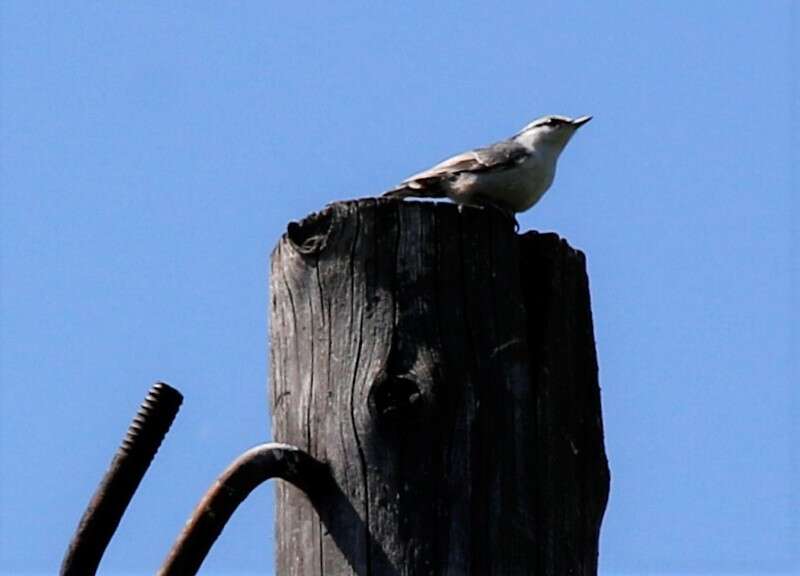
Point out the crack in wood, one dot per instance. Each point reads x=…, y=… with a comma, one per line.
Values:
x=444, y=368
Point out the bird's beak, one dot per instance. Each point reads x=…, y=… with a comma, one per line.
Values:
x=581, y=121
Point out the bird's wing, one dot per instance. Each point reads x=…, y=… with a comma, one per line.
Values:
x=495, y=157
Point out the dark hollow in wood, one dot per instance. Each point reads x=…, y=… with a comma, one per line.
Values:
x=444, y=368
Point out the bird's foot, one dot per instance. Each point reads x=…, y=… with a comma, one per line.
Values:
x=483, y=204
x=505, y=212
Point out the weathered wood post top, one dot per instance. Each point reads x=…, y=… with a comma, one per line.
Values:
x=443, y=367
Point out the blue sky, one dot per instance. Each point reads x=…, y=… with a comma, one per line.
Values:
x=153, y=152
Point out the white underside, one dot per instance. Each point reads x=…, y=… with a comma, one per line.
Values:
x=516, y=189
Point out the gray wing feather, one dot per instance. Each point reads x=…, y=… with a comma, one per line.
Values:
x=499, y=156
x=495, y=157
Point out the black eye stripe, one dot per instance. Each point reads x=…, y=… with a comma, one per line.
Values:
x=552, y=122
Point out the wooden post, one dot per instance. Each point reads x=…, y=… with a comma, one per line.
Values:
x=444, y=368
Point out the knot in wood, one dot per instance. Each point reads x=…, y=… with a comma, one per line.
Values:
x=394, y=397
x=310, y=235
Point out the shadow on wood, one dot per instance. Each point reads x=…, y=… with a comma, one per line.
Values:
x=444, y=368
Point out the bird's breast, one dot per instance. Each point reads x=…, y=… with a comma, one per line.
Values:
x=516, y=189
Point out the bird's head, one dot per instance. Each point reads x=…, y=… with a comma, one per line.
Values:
x=553, y=131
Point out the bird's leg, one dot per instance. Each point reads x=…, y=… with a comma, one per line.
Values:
x=507, y=214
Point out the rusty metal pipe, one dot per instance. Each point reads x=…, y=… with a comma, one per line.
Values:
x=116, y=489
x=234, y=485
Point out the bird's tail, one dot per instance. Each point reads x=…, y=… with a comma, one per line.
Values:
x=415, y=191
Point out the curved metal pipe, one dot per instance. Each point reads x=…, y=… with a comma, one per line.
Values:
x=229, y=490
x=105, y=510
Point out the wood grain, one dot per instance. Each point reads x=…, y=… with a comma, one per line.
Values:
x=444, y=368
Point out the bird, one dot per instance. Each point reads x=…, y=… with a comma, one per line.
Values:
x=511, y=175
